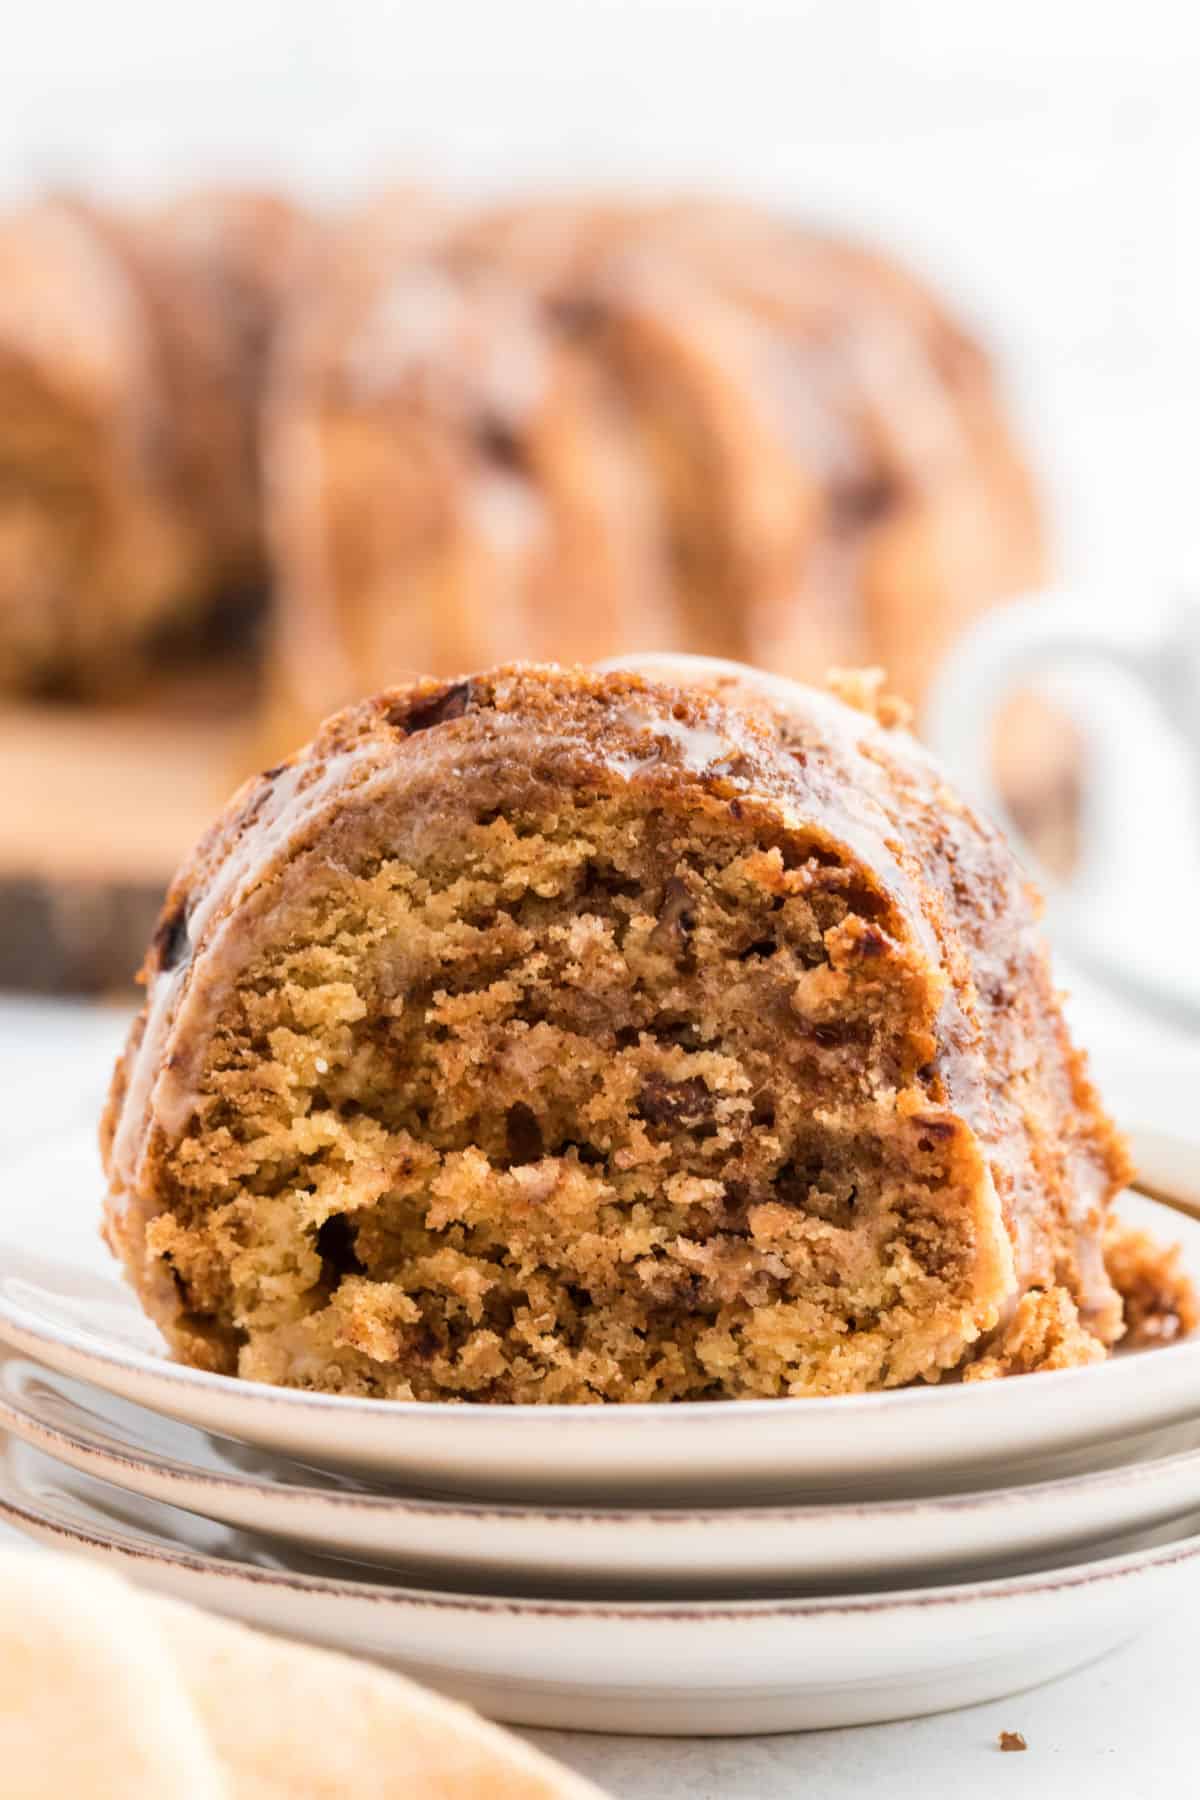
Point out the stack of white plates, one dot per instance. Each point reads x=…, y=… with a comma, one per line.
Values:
x=715, y=1568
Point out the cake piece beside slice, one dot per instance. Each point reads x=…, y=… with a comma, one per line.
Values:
x=554, y=1035
x=126, y=450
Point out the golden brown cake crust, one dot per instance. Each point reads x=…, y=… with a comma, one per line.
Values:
x=640, y=1042
x=1159, y=1297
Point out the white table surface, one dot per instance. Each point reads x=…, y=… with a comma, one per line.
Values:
x=1124, y=1729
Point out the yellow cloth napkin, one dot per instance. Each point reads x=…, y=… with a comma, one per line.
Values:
x=111, y=1693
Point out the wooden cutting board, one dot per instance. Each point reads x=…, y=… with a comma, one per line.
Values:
x=98, y=805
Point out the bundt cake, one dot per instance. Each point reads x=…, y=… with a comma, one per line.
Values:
x=574, y=429
x=126, y=447
x=561, y=1035
x=558, y=430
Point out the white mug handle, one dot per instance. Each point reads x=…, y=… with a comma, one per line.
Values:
x=1044, y=634
x=1007, y=649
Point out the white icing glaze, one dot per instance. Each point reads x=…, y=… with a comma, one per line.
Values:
x=413, y=320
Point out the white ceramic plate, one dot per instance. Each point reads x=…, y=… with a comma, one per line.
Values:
x=63, y=1302
x=688, y=1667
x=735, y=1550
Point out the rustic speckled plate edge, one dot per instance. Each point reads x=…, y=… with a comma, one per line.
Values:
x=680, y=1550
x=712, y=1667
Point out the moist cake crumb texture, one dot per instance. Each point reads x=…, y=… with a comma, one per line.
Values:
x=558, y=1036
x=1159, y=1298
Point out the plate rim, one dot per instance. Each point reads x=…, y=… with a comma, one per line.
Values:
x=131, y=1546
x=26, y=1426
